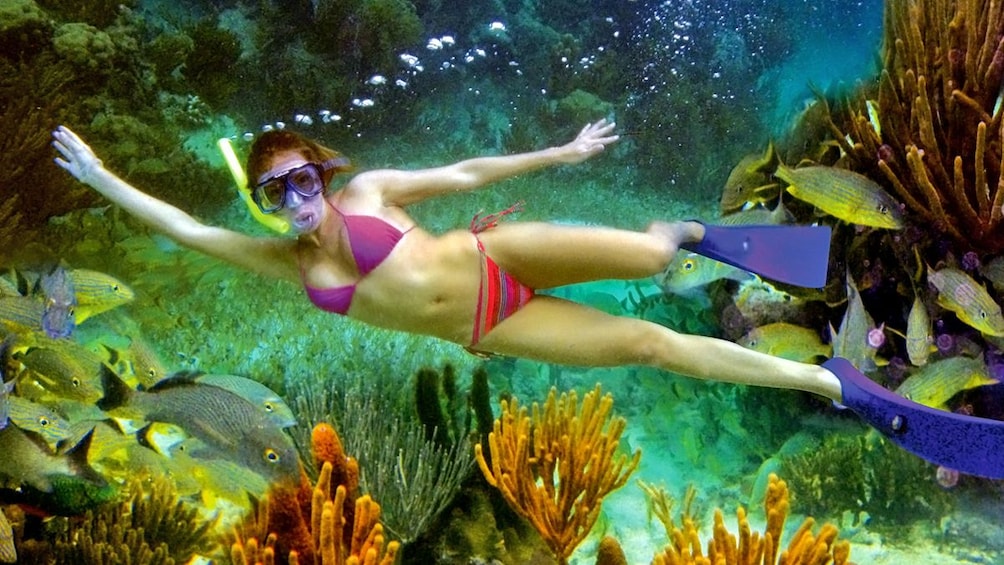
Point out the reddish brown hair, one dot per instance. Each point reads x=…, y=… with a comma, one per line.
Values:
x=269, y=144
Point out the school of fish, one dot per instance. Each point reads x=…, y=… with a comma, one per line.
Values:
x=83, y=407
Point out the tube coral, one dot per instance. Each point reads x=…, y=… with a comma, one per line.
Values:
x=555, y=468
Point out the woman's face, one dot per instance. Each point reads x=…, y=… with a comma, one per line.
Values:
x=304, y=213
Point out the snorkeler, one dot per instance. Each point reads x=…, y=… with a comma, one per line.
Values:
x=358, y=253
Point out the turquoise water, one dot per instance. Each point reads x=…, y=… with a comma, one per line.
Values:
x=693, y=86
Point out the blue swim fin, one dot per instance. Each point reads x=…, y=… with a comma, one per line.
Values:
x=968, y=444
x=796, y=255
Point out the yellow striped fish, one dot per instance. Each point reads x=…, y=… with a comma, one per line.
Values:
x=959, y=293
x=34, y=417
x=938, y=381
x=843, y=194
x=98, y=292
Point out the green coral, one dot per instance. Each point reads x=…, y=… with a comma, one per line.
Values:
x=85, y=46
x=581, y=107
x=24, y=28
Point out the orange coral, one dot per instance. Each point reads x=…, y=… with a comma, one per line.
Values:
x=308, y=524
x=752, y=549
x=555, y=468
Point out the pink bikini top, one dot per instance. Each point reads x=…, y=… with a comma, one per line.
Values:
x=371, y=241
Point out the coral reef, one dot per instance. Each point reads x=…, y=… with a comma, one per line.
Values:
x=752, y=548
x=937, y=140
x=320, y=523
x=555, y=468
x=406, y=463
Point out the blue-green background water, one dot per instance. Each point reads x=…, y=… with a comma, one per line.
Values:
x=693, y=86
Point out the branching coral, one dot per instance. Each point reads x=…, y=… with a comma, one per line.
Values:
x=310, y=524
x=753, y=549
x=555, y=468
x=938, y=137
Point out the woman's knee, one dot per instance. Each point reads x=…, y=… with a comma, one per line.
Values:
x=654, y=346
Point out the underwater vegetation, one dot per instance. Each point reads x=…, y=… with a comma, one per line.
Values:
x=874, y=476
x=937, y=138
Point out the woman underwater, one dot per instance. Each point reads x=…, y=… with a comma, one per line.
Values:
x=357, y=252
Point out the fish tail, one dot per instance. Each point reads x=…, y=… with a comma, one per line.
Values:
x=117, y=392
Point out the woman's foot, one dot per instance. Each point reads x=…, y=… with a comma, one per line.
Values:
x=678, y=232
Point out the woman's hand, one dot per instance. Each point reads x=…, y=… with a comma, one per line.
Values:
x=590, y=141
x=77, y=158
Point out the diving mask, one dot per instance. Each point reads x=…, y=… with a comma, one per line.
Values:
x=306, y=180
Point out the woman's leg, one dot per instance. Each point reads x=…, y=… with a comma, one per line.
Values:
x=544, y=255
x=558, y=331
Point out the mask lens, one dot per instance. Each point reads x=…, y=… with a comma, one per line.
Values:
x=305, y=180
x=269, y=196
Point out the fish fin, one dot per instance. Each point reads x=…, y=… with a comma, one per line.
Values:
x=77, y=456
x=179, y=378
x=117, y=392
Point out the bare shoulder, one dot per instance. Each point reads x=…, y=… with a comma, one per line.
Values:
x=370, y=187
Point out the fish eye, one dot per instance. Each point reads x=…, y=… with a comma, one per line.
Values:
x=269, y=407
x=883, y=209
x=689, y=265
x=271, y=456
x=983, y=314
x=43, y=421
x=115, y=287
x=75, y=382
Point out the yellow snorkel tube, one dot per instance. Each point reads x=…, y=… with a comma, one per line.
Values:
x=274, y=223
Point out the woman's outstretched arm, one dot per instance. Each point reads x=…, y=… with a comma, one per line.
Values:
x=400, y=188
x=268, y=256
